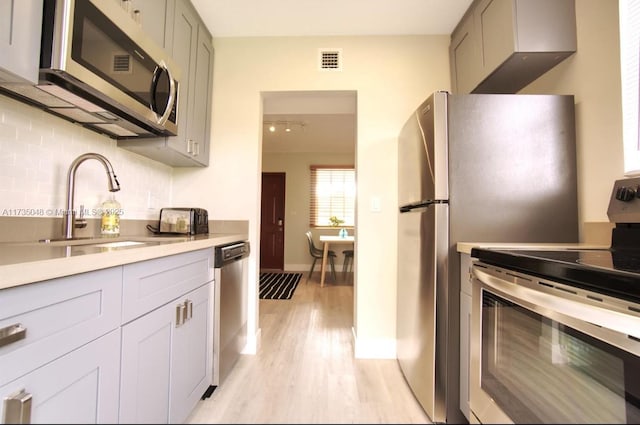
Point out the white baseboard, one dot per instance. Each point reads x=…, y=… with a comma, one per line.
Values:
x=373, y=348
x=300, y=267
x=253, y=343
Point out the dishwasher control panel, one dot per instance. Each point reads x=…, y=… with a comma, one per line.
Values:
x=231, y=252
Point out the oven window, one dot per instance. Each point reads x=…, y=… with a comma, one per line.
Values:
x=540, y=371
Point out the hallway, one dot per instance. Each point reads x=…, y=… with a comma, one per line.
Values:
x=305, y=372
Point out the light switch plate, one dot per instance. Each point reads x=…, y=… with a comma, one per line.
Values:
x=375, y=204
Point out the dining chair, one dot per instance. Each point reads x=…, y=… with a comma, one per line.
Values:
x=317, y=253
x=347, y=265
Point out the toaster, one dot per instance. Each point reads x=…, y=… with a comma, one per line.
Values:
x=186, y=221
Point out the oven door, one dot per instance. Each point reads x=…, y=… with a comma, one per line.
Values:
x=543, y=352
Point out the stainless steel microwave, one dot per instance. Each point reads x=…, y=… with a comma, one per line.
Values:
x=100, y=69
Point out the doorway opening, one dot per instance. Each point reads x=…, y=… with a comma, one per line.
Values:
x=302, y=129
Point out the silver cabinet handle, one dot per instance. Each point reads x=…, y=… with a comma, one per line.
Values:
x=180, y=312
x=189, y=304
x=17, y=408
x=185, y=311
x=12, y=333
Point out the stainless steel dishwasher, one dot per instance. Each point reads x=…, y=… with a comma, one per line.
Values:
x=230, y=309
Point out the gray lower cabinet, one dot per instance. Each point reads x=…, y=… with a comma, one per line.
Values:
x=167, y=338
x=20, y=30
x=128, y=344
x=79, y=387
x=64, y=367
x=500, y=46
x=191, y=47
x=465, y=335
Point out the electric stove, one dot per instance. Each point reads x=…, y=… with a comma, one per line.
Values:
x=614, y=271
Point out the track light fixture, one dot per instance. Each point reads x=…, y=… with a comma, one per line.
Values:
x=287, y=126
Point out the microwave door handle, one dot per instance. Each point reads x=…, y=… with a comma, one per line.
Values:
x=421, y=204
x=172, y=91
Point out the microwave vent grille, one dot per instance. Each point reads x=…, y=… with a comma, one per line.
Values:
x=122, y=63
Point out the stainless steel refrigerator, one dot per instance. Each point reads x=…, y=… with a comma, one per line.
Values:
x=472, y=168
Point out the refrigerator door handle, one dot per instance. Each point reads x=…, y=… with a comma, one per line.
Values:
x=422, y=204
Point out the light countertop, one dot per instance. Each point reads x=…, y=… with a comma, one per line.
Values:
x=465, y=247
x=28, y=262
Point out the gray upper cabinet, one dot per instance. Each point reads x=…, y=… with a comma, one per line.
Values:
x=153, y=15
x=500, y=46
x=466, y=63
x=20, y=30
x=191, y=47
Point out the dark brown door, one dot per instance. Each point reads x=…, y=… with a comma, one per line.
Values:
x=272, y=221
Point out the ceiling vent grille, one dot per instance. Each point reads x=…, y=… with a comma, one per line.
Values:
x=121, y=63
x=331, y=59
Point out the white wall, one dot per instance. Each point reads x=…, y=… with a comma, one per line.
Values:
x=391, y=76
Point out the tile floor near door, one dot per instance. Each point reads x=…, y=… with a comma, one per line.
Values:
x=305, y=371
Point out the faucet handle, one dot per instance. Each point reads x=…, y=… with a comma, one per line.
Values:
x=80, y=222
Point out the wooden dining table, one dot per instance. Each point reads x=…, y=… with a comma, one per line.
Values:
x=326, y=241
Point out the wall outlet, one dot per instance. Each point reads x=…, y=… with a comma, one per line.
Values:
x=152, y=201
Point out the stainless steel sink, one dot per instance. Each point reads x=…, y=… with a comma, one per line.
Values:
x=113, y=242
x=118, y=244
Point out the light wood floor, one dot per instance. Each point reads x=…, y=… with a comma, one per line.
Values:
x=305, y=371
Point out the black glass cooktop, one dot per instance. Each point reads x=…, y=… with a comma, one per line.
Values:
x=610, y=272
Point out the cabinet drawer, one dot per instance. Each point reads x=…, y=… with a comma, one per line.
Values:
x=59, y=315
x=149, y=284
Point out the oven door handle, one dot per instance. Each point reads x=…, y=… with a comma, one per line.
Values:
x=556, y=306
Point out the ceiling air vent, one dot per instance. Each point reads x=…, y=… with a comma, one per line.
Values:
x=121, y=63
x=331, y=59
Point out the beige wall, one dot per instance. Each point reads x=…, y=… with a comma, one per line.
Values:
x=592, y=75
x=296, y=168
x=391, y=76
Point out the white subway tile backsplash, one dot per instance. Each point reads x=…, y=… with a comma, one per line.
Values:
x=37, y=148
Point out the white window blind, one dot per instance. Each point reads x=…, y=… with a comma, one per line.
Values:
x=333, y=193
x=630, y=58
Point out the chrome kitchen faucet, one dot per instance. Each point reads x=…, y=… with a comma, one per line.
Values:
x=69, y=213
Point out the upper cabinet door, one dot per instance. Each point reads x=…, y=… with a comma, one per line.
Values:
x=20, y=31
x=500, y=46
x=495, y=22
x=152, y=15
x=200, y=118
x=465, y=57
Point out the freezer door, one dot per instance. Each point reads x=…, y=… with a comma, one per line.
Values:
x=422, y=153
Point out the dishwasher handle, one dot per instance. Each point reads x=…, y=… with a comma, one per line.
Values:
x=226, y=254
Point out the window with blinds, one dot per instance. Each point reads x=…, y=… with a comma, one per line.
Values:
x=629, y=56
x=333, y=193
